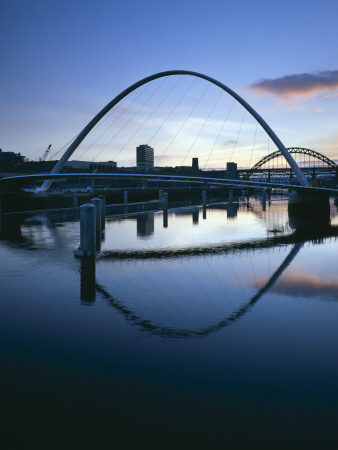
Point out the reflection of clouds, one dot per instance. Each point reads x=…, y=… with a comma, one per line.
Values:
x=305, y=285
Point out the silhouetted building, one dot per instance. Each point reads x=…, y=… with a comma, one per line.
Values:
x=231, y=172
x=107, y=166
x=10, y=159
x=195, y=164
x=144, y=157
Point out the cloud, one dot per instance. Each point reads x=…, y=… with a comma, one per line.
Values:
x=229, y=142
x=330, y=96
x=305, y=84
x=331, y=147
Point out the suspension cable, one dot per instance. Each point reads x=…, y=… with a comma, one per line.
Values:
x=142, y=124
x=168, y=115
x=220, y=131
x=173, y=109
x=203, y=125
x=132, y=117
x=104, y=119
x=240, y=128
x=184, y=122
x=62, y=148
x=253, y=145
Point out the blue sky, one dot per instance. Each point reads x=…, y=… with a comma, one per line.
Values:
x=62, y=61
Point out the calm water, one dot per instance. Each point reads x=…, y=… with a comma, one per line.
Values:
x=205, y=329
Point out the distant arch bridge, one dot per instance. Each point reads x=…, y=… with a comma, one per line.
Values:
x=295, y=150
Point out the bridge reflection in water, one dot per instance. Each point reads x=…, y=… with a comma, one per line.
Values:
x=88, y=268
x=137, y=344
x=300, y=230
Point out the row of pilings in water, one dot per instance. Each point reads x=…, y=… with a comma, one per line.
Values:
x=92, y=215
x=92, y=221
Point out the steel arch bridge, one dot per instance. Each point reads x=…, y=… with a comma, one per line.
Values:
x=295, y=150
x=59, y=165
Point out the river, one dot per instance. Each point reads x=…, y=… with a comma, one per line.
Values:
x=212, y=328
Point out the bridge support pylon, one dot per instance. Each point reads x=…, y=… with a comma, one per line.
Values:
x=310, y=207
x=308, y=198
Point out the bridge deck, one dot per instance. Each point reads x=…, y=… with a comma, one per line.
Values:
x=21, y=179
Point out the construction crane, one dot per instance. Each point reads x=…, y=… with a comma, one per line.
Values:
x=44, y=156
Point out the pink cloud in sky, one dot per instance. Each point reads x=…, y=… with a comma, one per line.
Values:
x=305, y=84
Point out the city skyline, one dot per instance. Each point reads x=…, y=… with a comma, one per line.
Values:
x=63, y=62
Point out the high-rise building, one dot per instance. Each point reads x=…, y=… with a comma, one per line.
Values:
x=144, y=157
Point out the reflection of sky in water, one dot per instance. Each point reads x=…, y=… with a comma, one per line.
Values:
x=187, y=292
x=116, y=363
x=313, y=275
x=215, y=229
x=183, y=292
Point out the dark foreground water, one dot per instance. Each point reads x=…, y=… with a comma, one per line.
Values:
x=214, y=329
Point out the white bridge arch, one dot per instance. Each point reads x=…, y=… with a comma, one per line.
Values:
x=59, y=165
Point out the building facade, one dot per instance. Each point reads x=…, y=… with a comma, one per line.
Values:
x=107, y=166
x=144, y=157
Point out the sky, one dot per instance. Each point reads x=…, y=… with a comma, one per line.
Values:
x=63, y=61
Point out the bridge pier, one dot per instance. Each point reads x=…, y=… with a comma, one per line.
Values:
x=165, y=209
x=204, y=212
x=165, y=218
x=165, y=201
x=264, y=199
x=103, y=210
x=308, y=198
x=308, y=207
x=204, y=204
x=97, y=203
x=204, y=198
x=74, y=200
